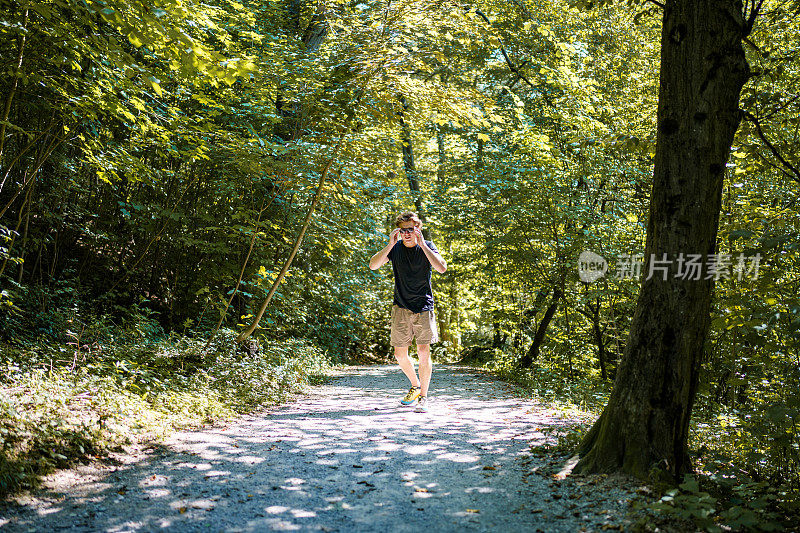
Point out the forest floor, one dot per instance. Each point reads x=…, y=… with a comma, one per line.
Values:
x=345, y=457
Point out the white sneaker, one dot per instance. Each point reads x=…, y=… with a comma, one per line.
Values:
x=422, y=405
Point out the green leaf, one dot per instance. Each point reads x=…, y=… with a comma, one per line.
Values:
x=154, y=84
x=135, y=39
x=690, y=485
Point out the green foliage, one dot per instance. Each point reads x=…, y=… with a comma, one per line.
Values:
x=153, y=154
x=54, y=411
x=737, y=506
x=581, y=398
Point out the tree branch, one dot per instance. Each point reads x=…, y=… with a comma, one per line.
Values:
x=795, y=172
x=514, y=68
x=23, y=152
x=780, y=107
x=29, y=177
x=10, y=97
x=244, y=267
x=155, y=237
x=297, y=242
x=751, y=17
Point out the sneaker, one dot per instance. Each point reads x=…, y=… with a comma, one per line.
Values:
x=411, y=397
x=422, y=405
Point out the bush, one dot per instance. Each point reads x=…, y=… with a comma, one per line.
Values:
x=721, y=505
x=62, y=403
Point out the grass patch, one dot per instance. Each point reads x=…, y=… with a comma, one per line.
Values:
x=58, y=407
x=580, y=397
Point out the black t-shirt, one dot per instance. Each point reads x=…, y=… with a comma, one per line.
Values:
x=412, y=277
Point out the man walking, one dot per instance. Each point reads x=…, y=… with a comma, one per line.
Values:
x=412, y=258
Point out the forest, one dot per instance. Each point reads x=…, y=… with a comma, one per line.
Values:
x=190, y=193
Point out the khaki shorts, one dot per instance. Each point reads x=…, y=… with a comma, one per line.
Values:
x=406, y=325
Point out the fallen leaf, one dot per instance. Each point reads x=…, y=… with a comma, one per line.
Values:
x=182, y=510
x=473, y=511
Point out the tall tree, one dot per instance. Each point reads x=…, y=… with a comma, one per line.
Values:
x=703, y=69
x=410, y=166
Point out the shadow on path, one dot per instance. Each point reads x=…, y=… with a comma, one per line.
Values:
x=347, y=457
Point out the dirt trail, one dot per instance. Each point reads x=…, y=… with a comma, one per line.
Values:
x=347, y=457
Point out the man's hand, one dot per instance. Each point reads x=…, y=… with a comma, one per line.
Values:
x=418, y=238
x=382, y=257
x=436, y=260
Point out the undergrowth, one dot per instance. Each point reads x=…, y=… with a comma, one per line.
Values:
x=581, y=397
x=61, y=404
x=730, y=489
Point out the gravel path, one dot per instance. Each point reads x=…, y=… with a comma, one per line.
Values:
x=347, y=457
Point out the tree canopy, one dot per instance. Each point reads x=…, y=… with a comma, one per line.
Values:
x=196, y=163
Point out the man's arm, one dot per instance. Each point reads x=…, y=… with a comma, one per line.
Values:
x=382, y=257
x=437, y=261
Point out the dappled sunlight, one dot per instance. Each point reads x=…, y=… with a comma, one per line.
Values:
x=345, y=457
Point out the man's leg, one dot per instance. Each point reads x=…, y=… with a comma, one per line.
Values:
x=401, y=354
x=425, y=366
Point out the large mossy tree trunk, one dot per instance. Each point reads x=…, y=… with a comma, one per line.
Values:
x=703, y=68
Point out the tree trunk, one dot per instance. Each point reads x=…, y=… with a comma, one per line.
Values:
x=410, y=166
x=10, y=96
x=291, y=112
x=541, y=331
x=155, y=237
x=241, y=273
x=601, y=348
x=30, y=175
x=497, y=336
x=25, y=205
x=24, y=242
x=593, y=314
x=440, y=172
x=643, y=428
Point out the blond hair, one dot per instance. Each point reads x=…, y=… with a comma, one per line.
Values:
x=407, y=216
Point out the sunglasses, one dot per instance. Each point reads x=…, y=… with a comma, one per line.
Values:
x=407, y=230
